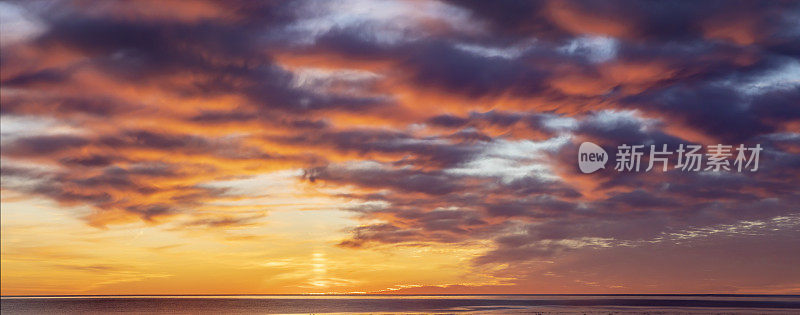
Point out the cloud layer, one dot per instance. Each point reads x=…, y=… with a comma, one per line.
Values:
x=446, y=122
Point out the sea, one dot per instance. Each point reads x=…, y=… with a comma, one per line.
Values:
x=404, y=304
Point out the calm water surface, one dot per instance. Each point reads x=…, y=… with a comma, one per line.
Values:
x=489, y=304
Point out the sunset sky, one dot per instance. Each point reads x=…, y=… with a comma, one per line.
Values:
x=233, y=147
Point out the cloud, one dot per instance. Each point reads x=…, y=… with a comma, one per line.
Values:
x=433, y=122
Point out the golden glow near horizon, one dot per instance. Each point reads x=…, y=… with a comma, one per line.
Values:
x=292, y=252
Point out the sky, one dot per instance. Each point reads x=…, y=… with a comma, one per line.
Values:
x=286, y=147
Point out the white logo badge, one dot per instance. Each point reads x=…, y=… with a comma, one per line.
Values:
x=591, y=157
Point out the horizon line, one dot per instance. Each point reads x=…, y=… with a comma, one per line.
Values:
x=415, y=294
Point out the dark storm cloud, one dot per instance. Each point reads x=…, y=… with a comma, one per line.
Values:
x=642, y=200
x=691, y=92
x=419, y=151
x=441, y=207
x=477, y=125
x=458, y=71
x=43, y=145
x=434, y=183
x=121, y=189
x=493, y=118
x=223, y=117
x=440, y=63
x=115, y=181
x=183, y=143
x=99, y=106
x=46, y=76
x=531, y=185
x=777, y=106
x=641, y=20
x=609, y=128
x=716, y=110
x=222, y=56
x=514, y=18
x=541, y=207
